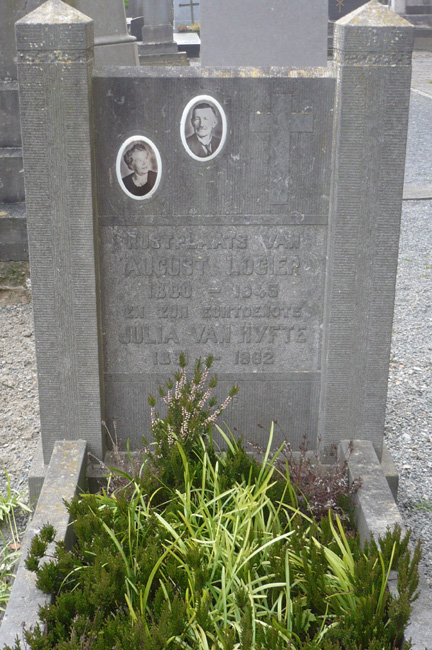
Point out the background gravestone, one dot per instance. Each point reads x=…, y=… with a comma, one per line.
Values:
x=113, y=44
x=154, y=31
x=256, y=33
x=13, y=234
x=186, y=12
x=339, y=8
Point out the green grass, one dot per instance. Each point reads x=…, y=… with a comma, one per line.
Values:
x=423, y=504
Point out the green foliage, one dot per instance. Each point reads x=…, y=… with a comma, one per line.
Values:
x=10, y=501
x=207, y=549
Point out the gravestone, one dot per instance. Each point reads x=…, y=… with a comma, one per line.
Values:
x=155, y=27
x=419, y=14
x=13, y=235
x=339, y=8
x=256, y=33
x=248, y=213
x=113, y=44
x=186, y=12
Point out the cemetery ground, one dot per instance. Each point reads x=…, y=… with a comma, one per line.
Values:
x=408, y=433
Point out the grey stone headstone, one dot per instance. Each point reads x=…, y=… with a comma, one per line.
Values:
x=157, y=43
x=113, y=44
x=135, y=27
x=157, y=12
x=274, y=247
x=228, y=256
x=158, y=21
x=256, y=33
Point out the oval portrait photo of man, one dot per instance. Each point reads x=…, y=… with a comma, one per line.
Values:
x=139, y=167
x=203, y=128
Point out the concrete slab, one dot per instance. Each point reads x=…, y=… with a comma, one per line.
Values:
x=376, y=509
x=65, y=475
x=417, y=192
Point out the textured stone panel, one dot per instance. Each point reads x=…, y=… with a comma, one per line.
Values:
x=289, y=398
x=227, y=257
x=265, y=172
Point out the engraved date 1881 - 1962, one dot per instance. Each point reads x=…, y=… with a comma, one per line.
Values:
x=241, y=357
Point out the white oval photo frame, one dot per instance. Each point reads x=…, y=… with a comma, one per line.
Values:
x=121, y=166
x=185, y=122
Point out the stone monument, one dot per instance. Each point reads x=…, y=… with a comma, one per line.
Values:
x=153, y=28
x=13, y=234
x=256, y=33
x=251, y=213
x=113, y=44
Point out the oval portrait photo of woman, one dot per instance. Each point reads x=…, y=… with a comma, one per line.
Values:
x=139, y=167
x=203, y=128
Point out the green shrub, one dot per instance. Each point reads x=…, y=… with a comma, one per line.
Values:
x=208, y=549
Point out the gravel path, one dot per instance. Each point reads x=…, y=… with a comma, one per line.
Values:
x=19, y=407
x=408, y=431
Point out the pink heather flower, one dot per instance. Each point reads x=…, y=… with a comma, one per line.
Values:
x=184, y=426
x=203, y=380
x=204, y=398
x=213, y=417
x=153, y=415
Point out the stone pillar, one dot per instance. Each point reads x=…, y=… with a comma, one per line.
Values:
x=55, y=57
x=373, y=49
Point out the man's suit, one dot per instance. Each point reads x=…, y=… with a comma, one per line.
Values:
x=198, y=148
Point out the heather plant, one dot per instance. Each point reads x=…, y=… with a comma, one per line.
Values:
x=319, y=488
x=191, y=410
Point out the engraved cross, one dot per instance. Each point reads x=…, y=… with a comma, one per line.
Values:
x=280, y=123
